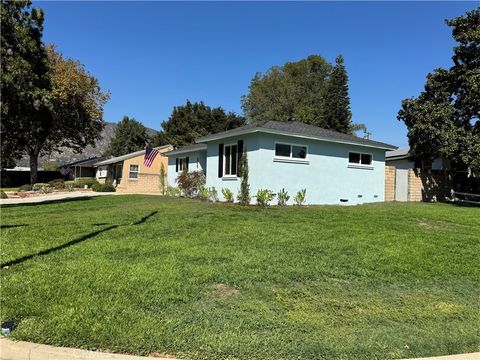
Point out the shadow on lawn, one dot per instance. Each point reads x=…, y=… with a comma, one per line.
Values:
x=48, y=202
x=145, y=218
x=60, y=247
x=12, y=226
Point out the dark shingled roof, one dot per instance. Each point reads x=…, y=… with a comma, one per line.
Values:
x=298, y=128
x=185, y=149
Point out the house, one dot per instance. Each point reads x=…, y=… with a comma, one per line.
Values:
x=129, y=173
x=334, y=168
x=404, y=181
x=82, y=168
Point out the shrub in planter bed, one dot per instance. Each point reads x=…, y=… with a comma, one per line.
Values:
x=43, y=188
x=228, y=195
x=3, y=195
x=58, y=184
x=264, y=196
x=26, y=187
x=80, y=182
x=107, y=187
x=70, y=185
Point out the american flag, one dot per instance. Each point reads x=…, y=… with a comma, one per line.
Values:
x=150, y=154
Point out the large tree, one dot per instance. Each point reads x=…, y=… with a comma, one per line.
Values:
x=192, y=120
x=336, y=107
x=294, y=90
x=130, y=135
x=444, y=120
x=310, y=90
x=48, y=101
x=25, y=79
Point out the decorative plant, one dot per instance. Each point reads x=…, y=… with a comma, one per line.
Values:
x=244, y=193
x=228, y=195
x=163, y=180
x=58, y=184
x=283, y=197
x=190, y=182
x=70, y=185
x=300, y=197
x=42, y=188
x=212, y=194
x=173, y=191
x=264, y=196
x=203, y=193
x=3, y=195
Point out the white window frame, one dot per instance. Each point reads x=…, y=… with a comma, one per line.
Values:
x=130, y=171
x=359, y=165
x=102, y=172
x=231, y=176
x=290, y=159
x=181, y=163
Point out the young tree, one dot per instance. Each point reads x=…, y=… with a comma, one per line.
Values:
x=25, y=80
x=163, y=180
x=130, y=135
x=336, y=107
x=244, y=192
x=192, y=120
x=444, y=120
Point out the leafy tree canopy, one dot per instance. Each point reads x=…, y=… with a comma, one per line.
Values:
x=193, y=120
x=443, y=121
x=130, y=135
x=310, y=90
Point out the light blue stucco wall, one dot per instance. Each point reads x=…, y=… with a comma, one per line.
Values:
x=197, y=161
x=327, y=177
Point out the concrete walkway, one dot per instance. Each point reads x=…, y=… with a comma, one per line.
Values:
x=55, y=197
x=21, y=350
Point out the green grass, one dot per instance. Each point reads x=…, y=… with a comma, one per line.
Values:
x=215, y=281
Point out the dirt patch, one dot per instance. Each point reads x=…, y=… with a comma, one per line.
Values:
x=222, y=291
x=423, y=223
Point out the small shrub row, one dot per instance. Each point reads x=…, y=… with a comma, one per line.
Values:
x=80, y=182
x=42, y=188
x=57, y=184
x=173, y=191
x=3, y=195
x=70, y=185
x=26, y=187
x=107, y=187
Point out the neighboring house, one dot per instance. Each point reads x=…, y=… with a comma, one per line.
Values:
x=406, y=182
x=129, y=173
x=83, y=168
x=334, y=168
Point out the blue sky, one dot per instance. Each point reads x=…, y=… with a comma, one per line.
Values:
x=152, y=56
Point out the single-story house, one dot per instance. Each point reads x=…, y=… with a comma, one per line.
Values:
x=82, y=168
x=333, y=167
x=129, y=173
x=405, y=181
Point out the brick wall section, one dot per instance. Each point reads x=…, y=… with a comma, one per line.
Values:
x=389, y=183
x=428, y=185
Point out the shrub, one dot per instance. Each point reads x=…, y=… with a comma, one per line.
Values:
x=173, y=191
x=70, y=185
x=3, y=195
x=300, y=197
x=163, y=179
x=244, y=193
x=58, y=184
x=107, y=187
x=190, y=182
x=227, y=194
x=203, y=193
x=80, y=182
x=26, y=187
x=42, y=188
x=264, y=196
x=283, y=197
x=212, y=194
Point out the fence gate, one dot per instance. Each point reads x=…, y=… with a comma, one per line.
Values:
x=401, y=184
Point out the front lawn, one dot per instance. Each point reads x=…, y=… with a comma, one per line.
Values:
x=146, y=274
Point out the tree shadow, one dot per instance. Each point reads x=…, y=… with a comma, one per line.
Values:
x=48, y=202
x=12, y=226
x=145, y=218
x=56, y=248
x=436, y=185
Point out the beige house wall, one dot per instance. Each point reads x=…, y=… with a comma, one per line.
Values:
x=148, y=180
x=389, y=183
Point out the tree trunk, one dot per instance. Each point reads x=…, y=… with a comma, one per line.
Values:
x=33, y=167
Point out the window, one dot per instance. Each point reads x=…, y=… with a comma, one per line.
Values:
x=290, y=151
x=360, y=159
x=102, y=172
x=133, y=173
x=231, y=158
x=182, y=164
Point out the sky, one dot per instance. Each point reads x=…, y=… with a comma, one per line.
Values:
x=153, y=56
